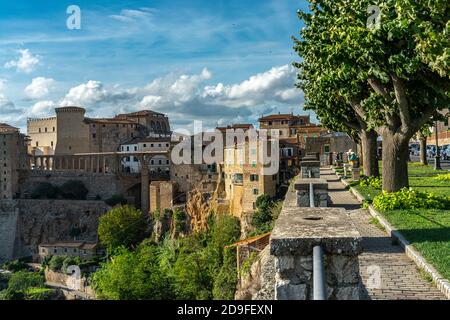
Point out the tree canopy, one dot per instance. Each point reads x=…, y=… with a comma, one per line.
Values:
x=393, y=77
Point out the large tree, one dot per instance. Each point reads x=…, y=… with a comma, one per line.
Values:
x=394, y=76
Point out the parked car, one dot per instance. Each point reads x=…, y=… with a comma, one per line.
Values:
x=446, y=152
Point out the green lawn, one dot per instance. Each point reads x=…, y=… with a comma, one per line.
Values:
x=427, y=230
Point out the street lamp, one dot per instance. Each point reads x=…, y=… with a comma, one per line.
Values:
x=437, y=158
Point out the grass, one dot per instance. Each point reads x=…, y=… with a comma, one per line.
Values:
x=428, y=230
x=376, y=223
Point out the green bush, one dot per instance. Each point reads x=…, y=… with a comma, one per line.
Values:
x=22, y=280
x=374, y=182
x=179, y=217
x=70, y=261
x=74, y=190
x=45, y=190
x=9, y=294
x=56, y=263
x=15, y=265
x=116, y=200
x=443, y=177
x=409, y=199
x=40, y=294
x=247, y=264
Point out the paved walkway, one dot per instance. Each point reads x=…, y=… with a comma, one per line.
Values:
x=400, y=278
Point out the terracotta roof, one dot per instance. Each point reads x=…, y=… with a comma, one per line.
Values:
x=79, y=245
x=148, y=139
x=236, y=126
x=109, y=121
x=4, y=127
x=286, y=116
x=141, y=113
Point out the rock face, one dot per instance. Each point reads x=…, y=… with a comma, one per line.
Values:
x=259, y=284
x=9, y=214
x=41, y=221
x=198, y=209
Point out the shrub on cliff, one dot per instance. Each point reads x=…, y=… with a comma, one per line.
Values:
x=74, y=190
x=115, y=200
x=122, y=226
x=23, y=280
x=45, y=190
x=56, y=263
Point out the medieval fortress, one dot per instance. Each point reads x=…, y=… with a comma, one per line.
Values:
x=128, y=155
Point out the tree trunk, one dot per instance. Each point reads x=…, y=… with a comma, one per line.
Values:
x=395, y=161
x=423, y=149
x=369, y=152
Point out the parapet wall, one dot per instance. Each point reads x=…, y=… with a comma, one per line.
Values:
x=297, y=231
x=98, y=184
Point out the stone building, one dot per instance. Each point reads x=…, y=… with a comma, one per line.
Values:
x=292, y=129
x=335, y=142
x=84, y=250
x=159, y=164
x=13, y=157
x=243, y=178
x=70, y=132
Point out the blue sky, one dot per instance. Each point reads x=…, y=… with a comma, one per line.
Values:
x=216, y=61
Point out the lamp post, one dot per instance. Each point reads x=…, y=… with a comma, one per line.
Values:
x=437, y=158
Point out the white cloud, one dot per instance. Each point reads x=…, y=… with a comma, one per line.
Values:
x=2, y=85
x=128, y=15
x=26, y=63
x=43, y=108
x=185, y=97
x=39, y=88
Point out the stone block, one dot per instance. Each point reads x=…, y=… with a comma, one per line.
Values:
x=285, y=290
x=356, y=173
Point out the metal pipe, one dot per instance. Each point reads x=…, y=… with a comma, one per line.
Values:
x=311, y=195
x=319, y=287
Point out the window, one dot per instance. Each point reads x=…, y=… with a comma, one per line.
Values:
x=326, y=148
x=37, y=143
x=94, y=136
x=270, y=123
x=255, y=191
x=45, y=129
x=145, y=145
x=151, y=145
x=135, y=148
x=128, y=148
x=254, y=206
x=40, y=130
x=54, y=129
x=167, y=145
x=51, y=143
x=54, y=250
x=65, y=249
x=254, y=177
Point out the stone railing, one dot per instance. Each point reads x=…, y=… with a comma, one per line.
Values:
x=308, y=167
x=297, y=231
x=320, y=187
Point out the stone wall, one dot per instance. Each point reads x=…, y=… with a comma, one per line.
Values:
x=98, y=184
x=8, y=223
x=297, y=231
x=44, y=221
